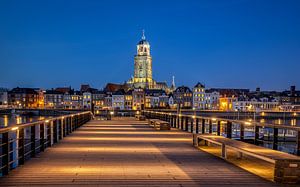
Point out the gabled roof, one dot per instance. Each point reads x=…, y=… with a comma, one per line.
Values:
x=65, y=90
x=92, y=90
x=111, y=87
x=119, y=92
x=154, y=92
x=211, y=91
x=183, y=89
x=199, y=85
x=84, y=87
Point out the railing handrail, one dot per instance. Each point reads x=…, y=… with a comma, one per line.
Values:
x=252, y=123
x=225, y=111
x=24, y=125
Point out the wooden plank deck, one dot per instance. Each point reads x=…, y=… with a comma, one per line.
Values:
x=127, y=152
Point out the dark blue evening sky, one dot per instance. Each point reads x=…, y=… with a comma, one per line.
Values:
x=229, y=43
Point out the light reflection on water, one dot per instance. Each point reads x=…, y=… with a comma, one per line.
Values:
x=278, y=121
x=7, y=120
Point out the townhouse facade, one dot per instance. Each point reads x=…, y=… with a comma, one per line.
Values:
x=183, y=97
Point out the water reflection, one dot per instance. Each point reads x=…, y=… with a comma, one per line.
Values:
x=293, y=122
x=6, y=120
x=278, y=121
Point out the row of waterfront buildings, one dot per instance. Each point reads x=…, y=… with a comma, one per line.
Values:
x=120, y=97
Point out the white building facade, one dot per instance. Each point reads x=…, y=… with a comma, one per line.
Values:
x=212, y=100
x=87, y=100
x=199, y=96
x=256, y=104
x=118, y=101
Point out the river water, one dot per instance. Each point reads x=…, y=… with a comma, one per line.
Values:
x=7, y=120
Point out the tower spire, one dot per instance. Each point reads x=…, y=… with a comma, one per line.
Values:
x=143, y=35
x=173, y=81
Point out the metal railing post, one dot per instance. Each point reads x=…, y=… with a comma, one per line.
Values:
x=5, y=153
x=256, y=135
x=21, y=146
x=229, y=129
x=186, y=123
x=242, y=131
x=55, y=134
x=298, y=143
x=182, y=121
x=65, y=126
x=197, y=126
x=203, y=126
x=48, y=134
x=275, y=138
x=219, y=128
x=210, y=127
x=192, y=125
x=32, y=140
x=42, y=137
x=61, y=129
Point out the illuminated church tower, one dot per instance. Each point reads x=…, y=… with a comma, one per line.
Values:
x=143, y=66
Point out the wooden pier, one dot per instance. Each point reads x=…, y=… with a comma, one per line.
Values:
x=127, y=152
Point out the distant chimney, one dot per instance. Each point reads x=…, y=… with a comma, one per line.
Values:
x=257, y=89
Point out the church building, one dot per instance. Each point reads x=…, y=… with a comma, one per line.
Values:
x=143, y=68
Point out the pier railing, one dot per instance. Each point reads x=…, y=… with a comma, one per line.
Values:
x=221, y=126
x=22, y=142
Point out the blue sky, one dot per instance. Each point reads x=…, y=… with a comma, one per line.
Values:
x=229, y=43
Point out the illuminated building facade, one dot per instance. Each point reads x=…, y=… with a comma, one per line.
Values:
x=183, y=97
x=227, y=102
x=118, y=100
x=128, y=100
x=23, y=98
x=138, y=99
x=143, y=68
x=87, y=100
x=53, y=99
x=199, y=96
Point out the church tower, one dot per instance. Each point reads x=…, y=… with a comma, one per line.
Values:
x=143, y=65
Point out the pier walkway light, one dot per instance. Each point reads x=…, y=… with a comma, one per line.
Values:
x=14, y=128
